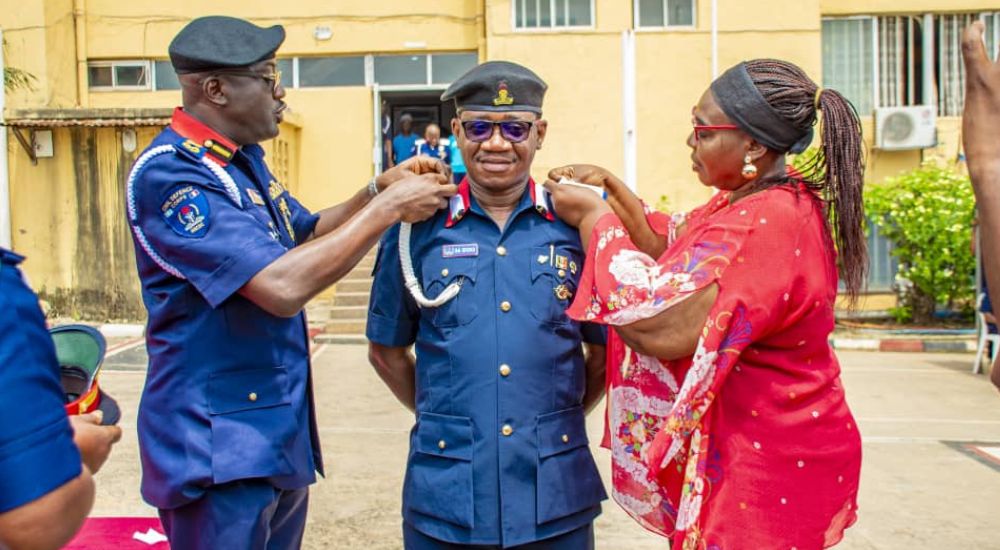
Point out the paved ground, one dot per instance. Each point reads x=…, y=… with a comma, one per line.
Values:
x=922, y=485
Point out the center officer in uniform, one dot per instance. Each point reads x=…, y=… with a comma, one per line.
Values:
x=500, y=383
x=227, y=258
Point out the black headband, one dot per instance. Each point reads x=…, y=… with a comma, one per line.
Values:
x=743, y=103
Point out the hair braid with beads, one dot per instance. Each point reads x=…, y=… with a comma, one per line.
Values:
x=837, y=170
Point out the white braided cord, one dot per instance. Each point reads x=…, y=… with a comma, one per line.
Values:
x=410, y=278
x=225, y=179
x=133, y=214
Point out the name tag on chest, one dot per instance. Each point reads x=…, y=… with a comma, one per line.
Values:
x=469, y=250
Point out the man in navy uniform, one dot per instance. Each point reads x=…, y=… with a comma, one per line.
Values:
x=500, y=383
x=46, y=459
x=228, y=258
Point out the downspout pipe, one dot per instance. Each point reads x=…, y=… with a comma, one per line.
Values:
x=80, y=32
x=5, y=221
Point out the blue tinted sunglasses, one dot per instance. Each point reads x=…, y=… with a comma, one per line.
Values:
x=514, y=131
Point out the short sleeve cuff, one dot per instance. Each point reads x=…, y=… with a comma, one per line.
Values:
x=38, y=467
x=390, y=332
x=237, y=271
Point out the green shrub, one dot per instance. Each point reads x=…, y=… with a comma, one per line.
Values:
x=927, y=214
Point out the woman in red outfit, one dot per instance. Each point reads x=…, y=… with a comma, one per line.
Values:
x=726, y=415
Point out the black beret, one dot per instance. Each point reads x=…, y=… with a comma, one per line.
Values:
x=497, y=86
x=220, y=42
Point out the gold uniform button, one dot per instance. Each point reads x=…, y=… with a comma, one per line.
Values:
x=504, y=370
x=505, y=306
x=506, y=430
x=444, y=272
x=565, y=438
x=562, y=273
x=252, y=396
x=501, y=251
x=209, y=143
x=442, y=444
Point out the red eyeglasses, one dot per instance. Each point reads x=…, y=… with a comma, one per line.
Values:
x=701, y=127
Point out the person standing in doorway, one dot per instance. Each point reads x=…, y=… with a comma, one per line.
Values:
x=402, y=144
x=432, y=145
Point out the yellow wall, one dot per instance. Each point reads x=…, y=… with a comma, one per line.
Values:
x=333, y=155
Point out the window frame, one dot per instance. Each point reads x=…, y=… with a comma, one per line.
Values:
x=144, y=64
x=552, y=27
x=666, y=27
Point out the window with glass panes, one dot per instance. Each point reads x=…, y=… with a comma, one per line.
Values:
x=664, y=13
x=118, y=75
x=547, y=14
x=879, y=61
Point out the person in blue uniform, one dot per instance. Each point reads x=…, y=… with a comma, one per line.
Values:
x=432, y=145
x=46, y=458
x=500, y=382
x=227, y=259
x=402, y=144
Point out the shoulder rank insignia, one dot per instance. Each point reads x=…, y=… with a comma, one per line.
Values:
x=190, y=148
x=503, y=95
x=186, y=211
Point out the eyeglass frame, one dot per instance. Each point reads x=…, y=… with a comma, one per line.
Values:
x=500, y=123
x=274, y=78
x=699, y=127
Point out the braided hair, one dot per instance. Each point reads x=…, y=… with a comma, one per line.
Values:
x=836, y=172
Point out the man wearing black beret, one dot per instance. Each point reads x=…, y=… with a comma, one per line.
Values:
x=227, y=259
x=500, y=383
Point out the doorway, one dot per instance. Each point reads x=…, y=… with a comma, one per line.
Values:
x=423, y=105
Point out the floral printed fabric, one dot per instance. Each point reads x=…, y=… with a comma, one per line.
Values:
x=749, y=443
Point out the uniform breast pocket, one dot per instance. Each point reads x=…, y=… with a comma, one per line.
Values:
x=437, y=273
x=252, y=423
x=553, y=283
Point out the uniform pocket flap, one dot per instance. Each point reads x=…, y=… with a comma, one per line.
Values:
x=243, y=390
x=560, y=263
x=561, y=431
x=445, y=435
x=447, y=270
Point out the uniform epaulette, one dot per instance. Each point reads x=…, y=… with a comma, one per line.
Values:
x=189, y=148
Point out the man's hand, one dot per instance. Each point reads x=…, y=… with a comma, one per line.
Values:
x=94, y=440
x=414, y=165
x=418, y=197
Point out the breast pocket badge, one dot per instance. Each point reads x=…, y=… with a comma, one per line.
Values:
x=562, y=292
x=186, y=211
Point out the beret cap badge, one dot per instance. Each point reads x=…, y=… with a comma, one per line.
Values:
x=503, y=95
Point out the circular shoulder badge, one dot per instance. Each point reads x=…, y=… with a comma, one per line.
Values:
x=186, y=211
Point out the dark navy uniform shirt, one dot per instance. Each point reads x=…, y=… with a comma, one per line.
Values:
x=228, y=394
x=37, y=454
x=499, y=451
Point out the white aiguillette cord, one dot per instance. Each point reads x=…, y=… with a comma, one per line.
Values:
x=410, y=277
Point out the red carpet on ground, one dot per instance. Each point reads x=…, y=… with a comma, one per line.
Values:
x=120, y=533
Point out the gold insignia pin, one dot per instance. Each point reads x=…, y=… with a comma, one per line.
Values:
x=562, y=292
x=503, y=95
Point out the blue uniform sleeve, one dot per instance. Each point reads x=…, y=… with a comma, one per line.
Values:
x=594, y=334
x=303, y=221
x=393, y=316
x=189, y=225
x=37, y=453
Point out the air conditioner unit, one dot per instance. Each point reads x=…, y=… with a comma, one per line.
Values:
x=904, y=128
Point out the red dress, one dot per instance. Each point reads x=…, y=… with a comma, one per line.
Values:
x=749, y=444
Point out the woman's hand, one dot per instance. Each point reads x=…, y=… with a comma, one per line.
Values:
x=622, y=200
x=576, y=206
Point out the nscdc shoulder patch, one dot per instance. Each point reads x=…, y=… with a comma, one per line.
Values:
x=186, y=211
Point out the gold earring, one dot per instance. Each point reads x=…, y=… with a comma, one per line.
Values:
x=749, y=170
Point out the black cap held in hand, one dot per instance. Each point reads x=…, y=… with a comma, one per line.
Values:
x=221, y=42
